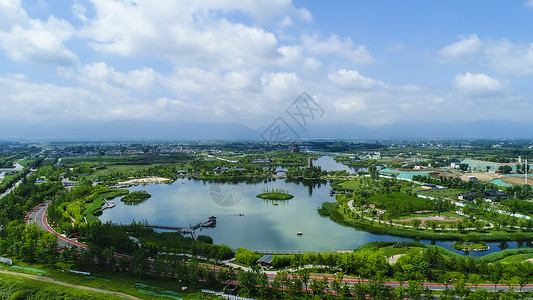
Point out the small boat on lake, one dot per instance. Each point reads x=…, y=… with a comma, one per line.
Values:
x=299, y=233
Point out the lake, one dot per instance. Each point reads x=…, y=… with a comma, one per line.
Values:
x=243, y=220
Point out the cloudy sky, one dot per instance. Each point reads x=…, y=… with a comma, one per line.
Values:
x=371, y=63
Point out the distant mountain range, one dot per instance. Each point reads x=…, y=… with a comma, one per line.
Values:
x=142, y=130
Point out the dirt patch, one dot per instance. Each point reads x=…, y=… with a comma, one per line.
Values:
x=146, y=180
x=393, y=259
x=432, y=218
x=516, y=180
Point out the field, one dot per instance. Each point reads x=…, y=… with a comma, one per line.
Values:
x=450, y=194
x=517, y=258
x=100, y=278
x=120, y=169
x=444, y=218
x=146, y=159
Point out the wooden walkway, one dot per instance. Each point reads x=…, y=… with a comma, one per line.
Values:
x=212, y=222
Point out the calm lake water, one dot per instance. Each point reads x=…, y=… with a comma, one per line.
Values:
x=263, y=225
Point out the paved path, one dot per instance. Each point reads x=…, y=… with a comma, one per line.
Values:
x=38, y=216
x=81, y=287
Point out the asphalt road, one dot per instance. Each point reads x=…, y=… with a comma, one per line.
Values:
x=38, y=216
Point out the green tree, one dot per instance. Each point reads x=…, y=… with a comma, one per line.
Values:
x=495, y=274
x=505, y=169
x=475, y=279
x=304, y=276
x=416, y=223
x=415, y=290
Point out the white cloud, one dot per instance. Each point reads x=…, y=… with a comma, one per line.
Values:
x=351, y=79
x=32, y=40
x=335, y=45
x=280, y=85
x=477, y=84
x=191, y=60
x=468, y=45
x=509, y=58
x=101, y=75
x=182, y=34
x=79, y=11
x=500, y=55
x=11, y=14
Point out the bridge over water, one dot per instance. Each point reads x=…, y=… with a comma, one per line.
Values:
x=211, y=222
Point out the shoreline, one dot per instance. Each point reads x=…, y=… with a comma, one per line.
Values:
x=147, y=180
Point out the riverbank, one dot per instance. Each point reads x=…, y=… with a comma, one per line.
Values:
x=331, y=210
x=147, y=180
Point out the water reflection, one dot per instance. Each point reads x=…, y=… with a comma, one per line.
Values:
x=261, y=224
x=275, y=202
x=504, y=245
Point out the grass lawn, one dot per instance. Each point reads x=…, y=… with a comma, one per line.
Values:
x=517, y=258
x=388, y=251
x=429, y=214
x=108, y=279
x=18, y=287
x=450, y=194
x=120, y=169
x=350, y=184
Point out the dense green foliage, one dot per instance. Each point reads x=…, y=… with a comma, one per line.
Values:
x=137, y=196
x=308, y=173
x=457, y=183
x=16, y=204
x=145, y=159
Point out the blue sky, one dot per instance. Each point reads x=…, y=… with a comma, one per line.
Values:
x=371, y=63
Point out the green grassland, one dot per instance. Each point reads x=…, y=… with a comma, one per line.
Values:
x=429, y=214
x=100, y=277
x=16, y=287
x=450, y=194
x=517, y=258
x=116, y=169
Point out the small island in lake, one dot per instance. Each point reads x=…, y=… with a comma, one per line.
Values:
x=275, y=194
x=136, y=197
x=480, y=246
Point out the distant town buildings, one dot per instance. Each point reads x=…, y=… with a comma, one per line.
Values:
x=295, y=148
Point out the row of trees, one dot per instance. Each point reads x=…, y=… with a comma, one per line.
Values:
x=430, y=263
x=301, y=285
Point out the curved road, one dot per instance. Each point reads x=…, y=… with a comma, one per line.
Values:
x=38, y=216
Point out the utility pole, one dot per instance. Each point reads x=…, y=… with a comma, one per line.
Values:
x=525, y=171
